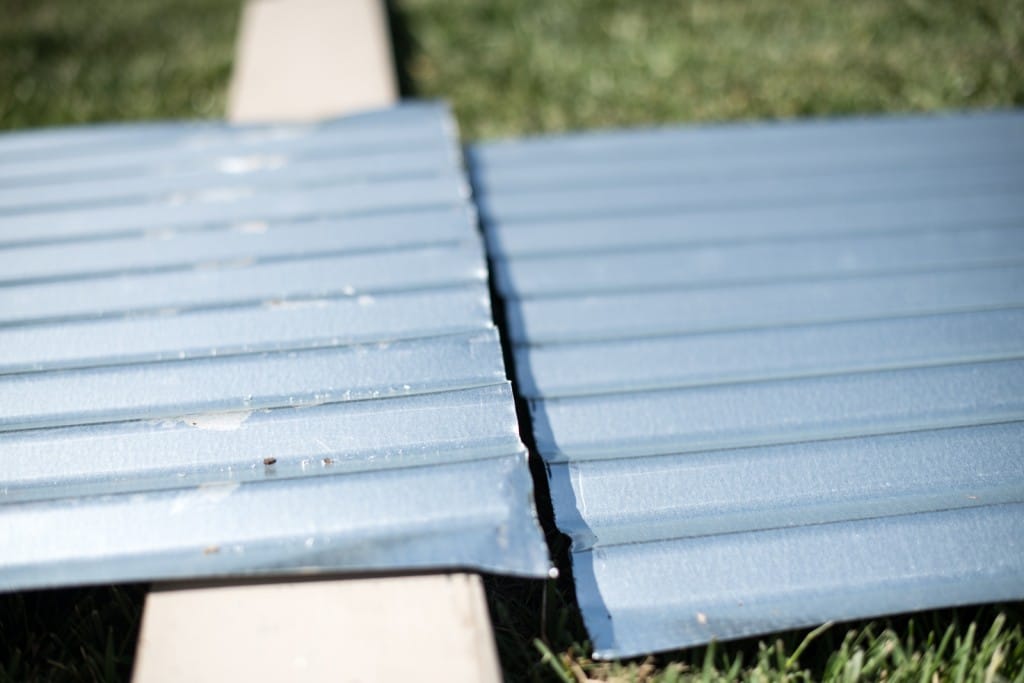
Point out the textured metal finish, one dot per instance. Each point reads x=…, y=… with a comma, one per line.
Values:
x=689, y=591
x=210, y=447
x=299, y=377
x=266, y=283
x=471, y=514
x=669, y=194
x=778, y=411
x=776, y=371
x=759, y=263
x=789, y=484
x=271, y=325
x=772, y=353
x=248, y=382
x=235, y=209
x=229, y=176
x=722, y=308
x=257, y=242
x=920, y=215
x=127, y=150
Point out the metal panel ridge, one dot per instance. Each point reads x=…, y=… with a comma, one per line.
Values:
x=299, y=375
x=775, y=371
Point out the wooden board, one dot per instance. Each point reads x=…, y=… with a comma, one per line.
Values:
x=299, y=60
x=427, y=627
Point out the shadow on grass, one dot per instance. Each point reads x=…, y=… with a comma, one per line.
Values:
x=78, y=634
x=405, y=47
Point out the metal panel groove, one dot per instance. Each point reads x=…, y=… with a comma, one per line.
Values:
x=259, y=242
x=732, y=585
x=743, y=224
x=391, y=272
x=324, y=439
x=778, y=411
x=249, y=382
x=788, y=485
x=221, y=144
x=764, y=263
x=275, y=325
x=288, y=205
x=740, y=307
x=230, y=175
x=667, y=195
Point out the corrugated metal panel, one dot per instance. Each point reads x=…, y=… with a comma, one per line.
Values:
x=125, y=150
x=276, y=379
x=776, y=371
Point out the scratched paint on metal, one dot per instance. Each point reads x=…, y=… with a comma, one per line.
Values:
x=776, y=371
x=232, y=351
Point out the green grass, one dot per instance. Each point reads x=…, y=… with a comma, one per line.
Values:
x=68, y=61
x=514, y=66
x=527, y=66
x=540, y=638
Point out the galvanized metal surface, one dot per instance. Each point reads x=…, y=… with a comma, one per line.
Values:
x=776, y=371
x=235, y=209
x=258, y=381
x=153, y=149
x=253, y=242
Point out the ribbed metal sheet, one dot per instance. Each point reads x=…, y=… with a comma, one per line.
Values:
x=776, y=371
x=300, y=374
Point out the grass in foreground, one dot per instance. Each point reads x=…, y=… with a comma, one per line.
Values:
x=983, y=645
x=89, y=635
x=513, y=67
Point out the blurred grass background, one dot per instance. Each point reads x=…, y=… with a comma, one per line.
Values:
x=515, y=66
x=524, y=66
x=67, y=61
x=512, y=67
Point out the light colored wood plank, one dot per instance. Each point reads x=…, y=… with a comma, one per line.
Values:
x=422, y=628
x=302, y=60
x=299, y=60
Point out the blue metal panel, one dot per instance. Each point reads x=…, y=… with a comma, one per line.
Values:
x=760, y=263
x=366, y=275
x=684, y=592
x=298, y=375
x=637, y=499
x=270, y=326
x=48, y=157
x=245, y=206
x=469, y=514
x=230, y=176
x=998, y=131
x=635, y=165
x=776, y=371
x=256, y=241
x=575, y=234
x=777, y=411
x=717, y=309
x=250, y=382
x=64, y=141
x=773, y=353
x=667, y=194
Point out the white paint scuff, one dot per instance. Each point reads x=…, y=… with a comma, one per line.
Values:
x=218, y=422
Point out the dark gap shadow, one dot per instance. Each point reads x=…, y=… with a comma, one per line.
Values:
x=404, y=46
x=524, y=609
